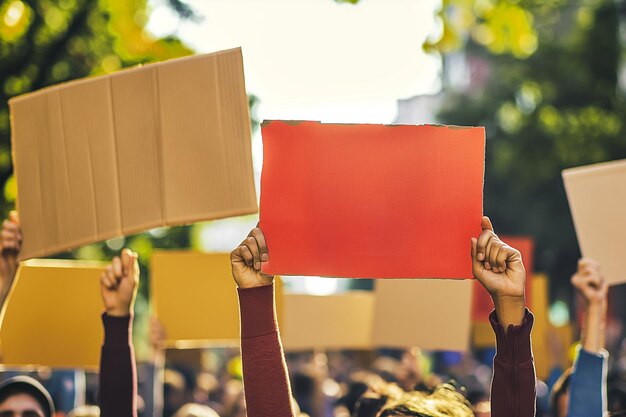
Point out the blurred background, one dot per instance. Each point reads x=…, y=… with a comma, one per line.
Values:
x=546, y=78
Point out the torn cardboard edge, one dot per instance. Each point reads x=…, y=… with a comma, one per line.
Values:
x=295, y=122
x=601, y=168
x=74, y=168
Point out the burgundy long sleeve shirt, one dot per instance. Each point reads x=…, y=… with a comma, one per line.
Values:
x=513, y=387
x=266, y=384
x=267, y=391
x=118, y=374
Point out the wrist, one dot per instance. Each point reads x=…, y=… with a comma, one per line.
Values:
x=119, y=312
x=509, y=309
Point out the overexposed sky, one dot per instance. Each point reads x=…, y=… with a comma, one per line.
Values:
x=318, y=59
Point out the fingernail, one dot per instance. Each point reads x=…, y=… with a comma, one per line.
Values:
x=257, y=265
x=487, y=265
x=480, y=256
x=264, y=257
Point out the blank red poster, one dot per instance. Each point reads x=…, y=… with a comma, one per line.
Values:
x=371, y=201
x=482, y=303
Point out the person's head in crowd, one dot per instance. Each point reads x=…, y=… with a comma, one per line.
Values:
x=303, y=389
x=378, y=394
x=560, y=395
x=175, y=391
x=196, y=410
x=22, y=396
x=85, y=411
x=444, y=401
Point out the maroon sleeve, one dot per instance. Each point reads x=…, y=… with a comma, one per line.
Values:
x=513, y=388
x=265, y=379
x=118, y=375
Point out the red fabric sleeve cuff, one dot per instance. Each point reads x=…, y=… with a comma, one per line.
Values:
x=513, y=343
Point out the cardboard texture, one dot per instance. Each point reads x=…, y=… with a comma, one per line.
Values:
x=431, y=314
x=53, y=315
x=157, y=145
x=597, y=201
x=482, y=304
x=195, y=298
x=341, y=321
x=370, y=201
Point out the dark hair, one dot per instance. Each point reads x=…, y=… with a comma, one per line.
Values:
x=560, y=388
x=29, y=386
x=368, y=406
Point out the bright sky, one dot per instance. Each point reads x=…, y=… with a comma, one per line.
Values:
x=313, y=60
x=318, y=59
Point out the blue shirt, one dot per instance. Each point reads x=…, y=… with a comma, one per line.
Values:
x=587, y=395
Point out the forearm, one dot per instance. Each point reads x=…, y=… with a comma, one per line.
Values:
x=266, y=384
x=118, y=375
x=592, y=335
x=513, y=389
x=509, y=310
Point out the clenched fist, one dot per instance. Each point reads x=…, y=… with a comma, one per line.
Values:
x=589, y=282
x=118, y=284
x=246, y=261
x=500, y=270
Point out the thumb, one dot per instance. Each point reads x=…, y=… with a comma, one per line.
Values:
x=14, y=217
x=475, y=262
x=486, y=224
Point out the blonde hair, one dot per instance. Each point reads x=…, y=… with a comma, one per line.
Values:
x=195, y=410
x=85, y=411
x=445, y=401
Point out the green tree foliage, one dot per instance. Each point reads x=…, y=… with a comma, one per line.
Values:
x=44, y=42
x=558, y=107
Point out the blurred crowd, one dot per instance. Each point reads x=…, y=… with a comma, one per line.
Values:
x=386, y=382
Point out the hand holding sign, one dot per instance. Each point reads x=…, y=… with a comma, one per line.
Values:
x=500, y=270
x=10, y=245
x=246, y=261
x=118, y=284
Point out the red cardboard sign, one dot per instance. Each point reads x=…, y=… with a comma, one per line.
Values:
x=371, y=201
x=482, y=305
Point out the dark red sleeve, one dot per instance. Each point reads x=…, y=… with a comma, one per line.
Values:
x=513, y=388
x=265, y=379
x=118, y=375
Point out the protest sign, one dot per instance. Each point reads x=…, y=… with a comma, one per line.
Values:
x=370, y=201
x=597, y=200
x=160, y=144
x=52, y=316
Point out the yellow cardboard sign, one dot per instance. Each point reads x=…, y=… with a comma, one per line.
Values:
x=539, y=308
x=195, y=298
x=52, y=316
x=339, y=321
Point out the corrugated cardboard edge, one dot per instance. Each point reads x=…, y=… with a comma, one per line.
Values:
x=89, y=78
x=595, y=169
x=267, y=122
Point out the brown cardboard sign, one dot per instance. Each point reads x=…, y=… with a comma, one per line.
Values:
x=597, y=200
x=339, y=321
x=195, y=298
x=157, y=145
x=431, y=314
x=52, y=316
